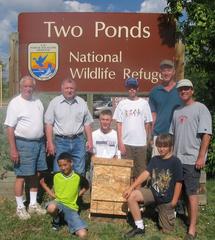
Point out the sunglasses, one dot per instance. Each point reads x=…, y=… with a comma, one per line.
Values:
x=184, y=88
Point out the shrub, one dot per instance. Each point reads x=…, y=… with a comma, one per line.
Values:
x=210, y=165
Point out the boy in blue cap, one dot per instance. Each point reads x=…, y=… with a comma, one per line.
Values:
x=133, y=117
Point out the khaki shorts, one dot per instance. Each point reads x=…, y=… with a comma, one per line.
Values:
x=166, y=213
x=139, y=155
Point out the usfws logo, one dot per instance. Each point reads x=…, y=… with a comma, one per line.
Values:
x=43, y=60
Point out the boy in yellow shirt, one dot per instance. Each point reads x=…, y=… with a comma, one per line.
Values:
x=68, y=185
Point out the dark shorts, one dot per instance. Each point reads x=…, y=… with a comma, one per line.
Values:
x=166, y=213
x=139, y=155
x=191, y=179
x=32, y=157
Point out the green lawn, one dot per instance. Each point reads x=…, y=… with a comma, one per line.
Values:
x=38, y=228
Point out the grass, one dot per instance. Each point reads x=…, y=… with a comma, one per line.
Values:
x=38, y=228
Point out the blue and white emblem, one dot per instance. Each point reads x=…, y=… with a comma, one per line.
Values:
x=43, y=60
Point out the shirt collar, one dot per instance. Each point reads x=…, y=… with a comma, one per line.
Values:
x=161, y=87
x=63, y=99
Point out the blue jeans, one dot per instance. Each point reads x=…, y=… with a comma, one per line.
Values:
x=32, y=157
x=76, y=148
x=72, y=217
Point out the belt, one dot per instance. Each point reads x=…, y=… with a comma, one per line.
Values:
x=69, y=136
x=30, y=140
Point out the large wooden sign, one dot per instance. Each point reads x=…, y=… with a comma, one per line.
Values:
x=98, y=50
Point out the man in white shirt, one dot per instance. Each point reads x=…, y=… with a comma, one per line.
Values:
x=24, y=122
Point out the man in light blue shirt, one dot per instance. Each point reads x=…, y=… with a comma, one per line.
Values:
x=67, y=118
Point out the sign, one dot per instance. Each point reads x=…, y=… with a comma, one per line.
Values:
x=98, y=50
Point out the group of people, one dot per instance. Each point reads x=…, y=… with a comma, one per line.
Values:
x=66, y=133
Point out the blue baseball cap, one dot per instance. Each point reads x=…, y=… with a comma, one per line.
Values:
x=131, y=82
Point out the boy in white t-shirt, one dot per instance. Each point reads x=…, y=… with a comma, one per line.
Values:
x=134, y=118
x=105, y=138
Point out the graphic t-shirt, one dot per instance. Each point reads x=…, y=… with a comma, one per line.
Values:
x=133, y=114
x=187, y=125
x=164, y=175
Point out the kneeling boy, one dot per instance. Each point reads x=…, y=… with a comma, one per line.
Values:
x=66, y=190
x=166, y=175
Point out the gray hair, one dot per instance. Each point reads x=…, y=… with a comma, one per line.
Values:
x=23, y=79
x=69, y=80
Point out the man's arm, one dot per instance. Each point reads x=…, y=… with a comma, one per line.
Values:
x=200, y=162
x=154, y=117
x=49, y=138
x=14, y=155
x=148, y=127
x=119, y=136
x=47, y=188
x=84, y=185
x=88, y=132
x=177, y=192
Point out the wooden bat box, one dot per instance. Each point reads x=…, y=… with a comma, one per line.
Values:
x=110, y=178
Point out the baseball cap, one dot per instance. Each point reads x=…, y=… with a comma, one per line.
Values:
x=166, y=62
x=184, y=83
x=131, y=82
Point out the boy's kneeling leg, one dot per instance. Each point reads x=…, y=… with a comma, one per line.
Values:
x=133, y=204
x=75, y=223
x=166, y=217
x=52, y=209
x=82, y=233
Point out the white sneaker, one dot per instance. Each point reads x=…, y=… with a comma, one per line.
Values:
x=36, y=208
x=22, y=213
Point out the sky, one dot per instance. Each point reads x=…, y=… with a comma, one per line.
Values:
x=9, y=10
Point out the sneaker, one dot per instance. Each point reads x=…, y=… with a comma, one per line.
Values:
x=189, y=236
x=135, y=231
x=36, y=208
x=22, y=213
x=56, y=223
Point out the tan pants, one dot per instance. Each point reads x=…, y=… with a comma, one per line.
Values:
x=139, y=156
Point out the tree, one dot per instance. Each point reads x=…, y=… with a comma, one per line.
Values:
x=196, y=28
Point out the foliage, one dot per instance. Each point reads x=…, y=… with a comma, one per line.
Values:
x=5, y=162
x=196, y=28
x=210, y=167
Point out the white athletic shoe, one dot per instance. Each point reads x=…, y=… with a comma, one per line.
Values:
x=36, y=208
x=22, y=213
